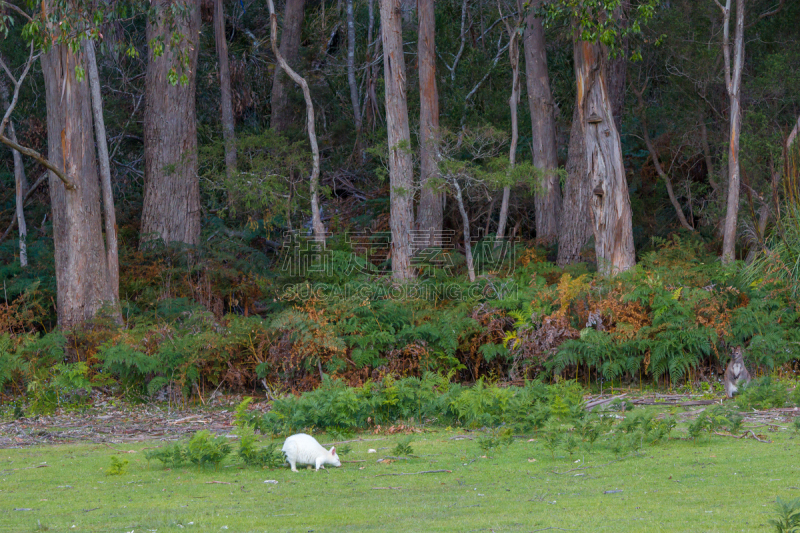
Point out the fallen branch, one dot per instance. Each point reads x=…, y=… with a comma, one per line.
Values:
x=415, y=473
x=591, y=405
x=217, y=482
x=742, y=436
x=26, y=468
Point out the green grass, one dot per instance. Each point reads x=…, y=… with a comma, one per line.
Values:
x=715, y=484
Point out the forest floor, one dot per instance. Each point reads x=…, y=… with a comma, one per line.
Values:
x=53, y=476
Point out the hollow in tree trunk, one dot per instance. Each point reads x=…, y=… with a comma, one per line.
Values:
x=83, y=281
x=401, y=215
x=547, y=197
x=430, y=215
x=171, y=209
x=290, y=48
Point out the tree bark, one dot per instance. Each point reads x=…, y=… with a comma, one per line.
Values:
x=513, y=103
x=610, y=202
x=733, y=81
x=576, y=227
x=547, y=198
x=400, y=164
x=20, y=183
x=109, y=213
x=82, y=278
x=617, y=69
x=316, y=216
x=171, y=209
x=467, y=238
x=290, y=48
x=430, y=215
x=351, y=66
x=228, y=124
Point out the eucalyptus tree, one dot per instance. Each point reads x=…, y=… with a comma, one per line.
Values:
x=430, y=214
x=171, y=208
x=226, y=105
x=401, y=213
x=547, y=195
x=61, y=35
x=596, y=187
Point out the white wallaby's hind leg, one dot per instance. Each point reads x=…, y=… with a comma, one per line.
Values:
x=292, y=464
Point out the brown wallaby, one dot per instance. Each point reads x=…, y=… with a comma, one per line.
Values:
x=736, y=372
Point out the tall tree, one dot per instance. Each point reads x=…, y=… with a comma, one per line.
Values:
x=109, y=213
x=290, y=48
x=316, y=215
x=513, y=104
x=82, y=273
x=733, y=83
x=610, y=202
x=351, y=65
x=171, y=209
x=226, y=105
x=430, y=214
x=401, y=214
x=20, y=181
x=547, y=198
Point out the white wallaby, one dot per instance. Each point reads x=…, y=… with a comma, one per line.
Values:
x=305, y=450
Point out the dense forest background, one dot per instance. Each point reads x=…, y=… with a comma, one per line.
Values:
x=605, y=190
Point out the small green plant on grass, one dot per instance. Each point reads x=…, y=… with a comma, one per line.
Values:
x=495, y=439
x=551, y=435
x=788, y=520
x=796, y=425
x=117, y=467
x=172, y=456
x=204, y=450
x=403, y=448
x=763, y=393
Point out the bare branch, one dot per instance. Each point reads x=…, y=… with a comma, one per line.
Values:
x=41, y=159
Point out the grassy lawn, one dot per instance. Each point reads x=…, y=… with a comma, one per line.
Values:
x=715, y=484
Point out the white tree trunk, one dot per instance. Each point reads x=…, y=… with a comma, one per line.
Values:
x=733, y=81
x=351, y=65
x=109, y=213
x=316, y=217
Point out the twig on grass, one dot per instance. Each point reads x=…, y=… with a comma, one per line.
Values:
x=217, y=482
x=415, y=473
x=26, y=468
x=742, y=436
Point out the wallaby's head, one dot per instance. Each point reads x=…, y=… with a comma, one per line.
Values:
x=334, y=459
x=737, y=356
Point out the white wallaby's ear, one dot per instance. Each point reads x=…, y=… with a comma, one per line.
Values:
x=333, y=450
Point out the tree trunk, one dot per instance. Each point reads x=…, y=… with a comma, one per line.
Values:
x=351, y=66
x=400, y=164
x=20, y=182
x=290, y=48
x=430, y=216
x=228, y=132
x=109, y=213
x=733, y=80
x=547, y=198
x=82, y=278
x=513, y=103
x=316, y=216
x=467, y=238
x=576, y=225
x=616, y=69
x=610, y=201
x=171, y=209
